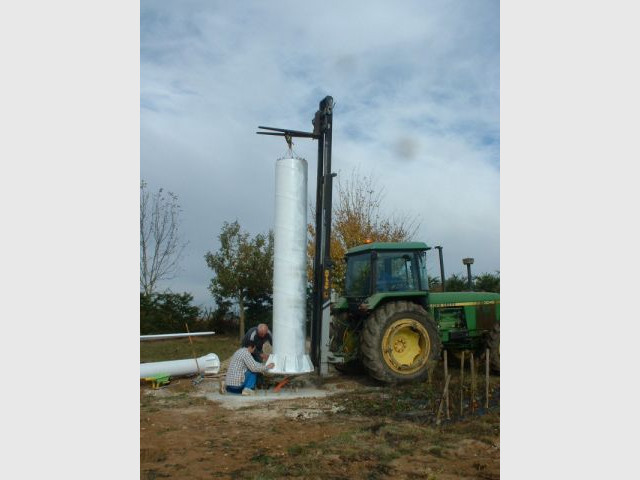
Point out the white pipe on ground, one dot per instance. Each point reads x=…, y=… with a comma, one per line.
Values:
x=166, y=336
x=290, y=269
x=208, y=364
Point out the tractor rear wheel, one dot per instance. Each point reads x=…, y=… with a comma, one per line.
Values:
x=398, y=343
x=493, y=344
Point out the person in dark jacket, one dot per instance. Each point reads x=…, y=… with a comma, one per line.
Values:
x=261, y=336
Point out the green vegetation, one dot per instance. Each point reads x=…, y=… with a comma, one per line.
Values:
x=243, y=268
x=485, y=282
x=167, y=313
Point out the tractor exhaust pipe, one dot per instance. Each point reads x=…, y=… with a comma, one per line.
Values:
x=441, y=266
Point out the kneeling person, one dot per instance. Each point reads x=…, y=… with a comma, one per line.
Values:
x=242, y=374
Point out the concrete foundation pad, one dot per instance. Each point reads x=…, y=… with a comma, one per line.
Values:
x=299, y=387
x=233, y=402
x=268, y=402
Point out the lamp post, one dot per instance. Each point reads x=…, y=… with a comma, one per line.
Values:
x=468, y=262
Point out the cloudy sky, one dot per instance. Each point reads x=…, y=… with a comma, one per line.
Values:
x=416, y=87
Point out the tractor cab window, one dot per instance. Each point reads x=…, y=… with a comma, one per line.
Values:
x=358, y=281
x=395, y=271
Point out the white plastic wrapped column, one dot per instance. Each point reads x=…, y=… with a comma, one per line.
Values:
x=290, y=269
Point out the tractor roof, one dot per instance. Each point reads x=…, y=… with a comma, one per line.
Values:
x=388, y=246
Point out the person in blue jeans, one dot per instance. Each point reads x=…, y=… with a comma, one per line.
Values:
x=243, y=371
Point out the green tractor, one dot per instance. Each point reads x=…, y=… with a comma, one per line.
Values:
x=391, y=323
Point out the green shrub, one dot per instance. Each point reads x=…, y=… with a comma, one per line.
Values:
x=167, y=313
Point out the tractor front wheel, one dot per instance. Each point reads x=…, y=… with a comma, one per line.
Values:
x=398, y=343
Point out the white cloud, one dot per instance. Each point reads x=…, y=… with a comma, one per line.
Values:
x=416, y=86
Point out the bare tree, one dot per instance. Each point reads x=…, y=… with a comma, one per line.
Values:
x=358, y=217
x=160, y=245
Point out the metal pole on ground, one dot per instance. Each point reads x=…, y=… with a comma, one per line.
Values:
x=486, y=379
x=200, y=376
x=472, y=399
x=445, y=392
x=461, y=382
x=446, y=375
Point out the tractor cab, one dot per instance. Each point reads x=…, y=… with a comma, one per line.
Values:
x=385, y=269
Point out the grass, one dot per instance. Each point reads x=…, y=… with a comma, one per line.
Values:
x=369, y=446
x=180, y=348
x=373, y=446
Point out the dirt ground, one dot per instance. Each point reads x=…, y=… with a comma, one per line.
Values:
x=343, y=427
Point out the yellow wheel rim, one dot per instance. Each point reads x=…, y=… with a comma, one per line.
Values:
x=406, y=346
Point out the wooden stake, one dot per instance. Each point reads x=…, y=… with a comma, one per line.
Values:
x=195, y=357
x=486, y=380
x=446, y=375
x=472, y=395
x=445, y=392
x=461, y=382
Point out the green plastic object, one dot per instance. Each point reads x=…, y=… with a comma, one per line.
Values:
x=159, y=380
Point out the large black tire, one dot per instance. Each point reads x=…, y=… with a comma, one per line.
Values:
x=493, y=344
x=399, y=342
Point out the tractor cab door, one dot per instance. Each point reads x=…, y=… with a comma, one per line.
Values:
x=358, y=278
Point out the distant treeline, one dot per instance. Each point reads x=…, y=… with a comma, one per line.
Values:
x=485, y=282
x=169, y=312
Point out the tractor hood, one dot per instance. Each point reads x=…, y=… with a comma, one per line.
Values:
x=443, y=299
x=437, y=299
